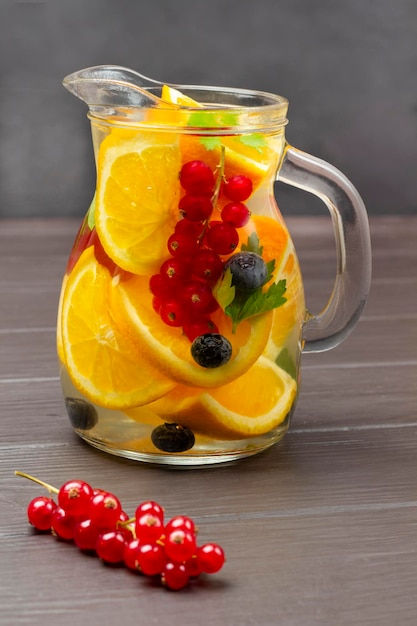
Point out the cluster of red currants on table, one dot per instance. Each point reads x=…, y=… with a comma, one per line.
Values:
x=147, y=543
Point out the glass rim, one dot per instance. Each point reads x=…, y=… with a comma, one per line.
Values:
x=224, y=110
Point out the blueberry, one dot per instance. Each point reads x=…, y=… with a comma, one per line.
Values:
x=81, y=413
x=211, y=350
x=248, y=269
x=172, y=438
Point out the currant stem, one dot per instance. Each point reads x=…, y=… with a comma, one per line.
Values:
x=220, y=176
x=216, y=192
x=130, y=524
x=50, y=488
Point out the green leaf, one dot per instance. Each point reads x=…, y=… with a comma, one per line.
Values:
x=224, y=292
x=255, y=140
x=257, y=302
x=253, y=245
x=270, y=266
x=286, y=362
x=91, y=213
x=211, y=142
x=212, y=119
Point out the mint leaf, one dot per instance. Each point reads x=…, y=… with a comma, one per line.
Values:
x=253, y=245
x=223, y=291
x=270, y=266
x=211, y=142
x=286, y=362
x=245, y=306
x=209, y=119
x=255, y=140
x=90, y=214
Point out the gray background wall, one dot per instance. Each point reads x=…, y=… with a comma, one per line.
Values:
x=348, y=68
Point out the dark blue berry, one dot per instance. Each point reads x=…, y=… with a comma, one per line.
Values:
x=248, y=269
x=172, y=438
x=81, y=413
x=211, y=350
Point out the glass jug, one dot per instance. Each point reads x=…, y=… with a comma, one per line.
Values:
x=182, y=317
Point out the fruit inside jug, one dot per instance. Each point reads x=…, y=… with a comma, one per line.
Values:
x=182, y=305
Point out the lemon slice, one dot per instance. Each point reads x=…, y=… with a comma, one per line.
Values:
x=169, y=350
x=137, y=197
x=174, y=96
x=101, y=361
x=253, y=404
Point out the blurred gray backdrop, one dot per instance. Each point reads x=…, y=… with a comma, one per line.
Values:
x=348, y=68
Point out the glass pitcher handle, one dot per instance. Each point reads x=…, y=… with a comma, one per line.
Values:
x=353, y=247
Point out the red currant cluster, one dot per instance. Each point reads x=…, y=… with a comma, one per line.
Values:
x=183, y=288
x=95, y=521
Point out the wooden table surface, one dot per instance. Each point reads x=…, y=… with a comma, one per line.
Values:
x=319, y=530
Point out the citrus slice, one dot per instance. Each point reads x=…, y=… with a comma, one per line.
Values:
x=169, y=350
x=137, y=197
x=59, y=342
x=253, y=404
x=277, y=245
x=101, y=361
x=174, y=96
x=248, y=154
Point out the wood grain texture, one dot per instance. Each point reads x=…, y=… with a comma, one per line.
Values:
x=320, y=530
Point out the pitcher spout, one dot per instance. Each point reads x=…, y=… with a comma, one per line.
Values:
x=105, y=88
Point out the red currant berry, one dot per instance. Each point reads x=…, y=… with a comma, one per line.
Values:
x=40, y=511
x=181, y=522
x=159, y=285
x=193, y=567
x=149, y=506
x=181, y=245
x=238, y=188
x=123, y=517
x=148, y=528
x=210, y=558
x=105, y=509
x=190, y=229
x=175, y=576
x=207, y=265
x=172, y=313
x=180, y=544
x=101, y=255
x=197, y=177
x=236, y=214
x=195, y=208
x=62, y=524
x=151, y=559
x=198, y=298
x=130, y=554
x=110, y=546
x=222, y=238
x=156, y=304
x=74, y=497
x=175, y=271
x=200, y=327
x=86, y=534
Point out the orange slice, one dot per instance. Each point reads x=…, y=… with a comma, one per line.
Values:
x=253, y=404
x=59, y=342
x=101, y=361
x=169, y=350
x=137, y=197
